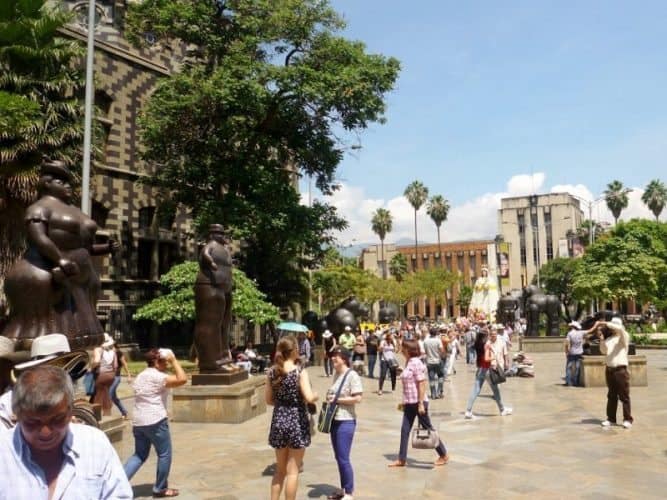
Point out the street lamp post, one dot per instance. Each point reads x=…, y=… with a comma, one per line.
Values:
x=88, y=115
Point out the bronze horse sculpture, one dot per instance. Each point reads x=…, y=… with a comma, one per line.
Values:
x=536, y=302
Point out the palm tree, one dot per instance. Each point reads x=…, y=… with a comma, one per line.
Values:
x=438, y=209
x=398, y=266
x=655, y=197
x=381, y=225
x=616, y=197
x=416, y=193
x=37, y=64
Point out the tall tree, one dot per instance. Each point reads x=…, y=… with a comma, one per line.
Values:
x=438, y=209
x=616, y=197
x=271, y=93
x=36, y=65
x=381, y=225
x=398, y=266
x=557, y=278
x=416, y=193
x=655, y=197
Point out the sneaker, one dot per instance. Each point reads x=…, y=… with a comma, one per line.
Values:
x=506, y=411
x=627, y=424
x=605, y=423
x=468, y=415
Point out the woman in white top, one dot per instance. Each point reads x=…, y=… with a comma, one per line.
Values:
x=388, y=361
x=345, y=420
x=150, y=424
x=105, y=364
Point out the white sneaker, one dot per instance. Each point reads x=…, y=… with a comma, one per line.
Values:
x=605, y=423
x=468, y=415
x=506, y=411
x=627, y=424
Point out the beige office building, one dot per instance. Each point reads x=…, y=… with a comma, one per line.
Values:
x=535, y=230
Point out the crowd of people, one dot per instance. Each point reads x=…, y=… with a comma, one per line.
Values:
x=422, y=356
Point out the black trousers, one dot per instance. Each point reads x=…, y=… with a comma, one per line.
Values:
x=618, y=385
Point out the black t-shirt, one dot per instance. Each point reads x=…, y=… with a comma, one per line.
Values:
x=372, y=344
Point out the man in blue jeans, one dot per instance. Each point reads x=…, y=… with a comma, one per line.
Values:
x=436, y=371
x=574, y=351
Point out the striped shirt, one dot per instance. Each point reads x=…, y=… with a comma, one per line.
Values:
x=91, y=468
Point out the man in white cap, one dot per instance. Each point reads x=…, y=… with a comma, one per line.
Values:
x=52, y=349
x=574, y=351
x=615, y=350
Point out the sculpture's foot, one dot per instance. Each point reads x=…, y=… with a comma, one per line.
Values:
x=224, y=361
x=228, y=368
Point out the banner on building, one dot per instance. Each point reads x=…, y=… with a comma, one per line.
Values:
x=577, y=247
x=504, y=264
x=563, y=248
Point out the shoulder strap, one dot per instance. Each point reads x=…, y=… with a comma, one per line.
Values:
x=340, y=387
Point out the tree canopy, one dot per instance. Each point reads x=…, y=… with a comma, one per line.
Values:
x=270, y=93
x=557, y=278
x=178, y=304
x=630, y=262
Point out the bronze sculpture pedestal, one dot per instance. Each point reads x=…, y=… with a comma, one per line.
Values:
x=219, y=378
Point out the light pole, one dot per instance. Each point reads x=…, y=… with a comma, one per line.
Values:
x=88, y=110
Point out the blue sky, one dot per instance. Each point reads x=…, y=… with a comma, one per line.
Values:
x=506, y=98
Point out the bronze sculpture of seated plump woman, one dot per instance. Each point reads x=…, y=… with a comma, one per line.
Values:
x=54, y=287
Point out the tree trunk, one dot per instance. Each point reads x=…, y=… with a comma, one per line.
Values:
x=12, y=239
x=384, y=266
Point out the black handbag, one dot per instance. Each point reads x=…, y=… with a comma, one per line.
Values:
x=329, y=410
x=497, y=375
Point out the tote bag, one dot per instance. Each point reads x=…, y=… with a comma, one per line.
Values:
x=329, y=410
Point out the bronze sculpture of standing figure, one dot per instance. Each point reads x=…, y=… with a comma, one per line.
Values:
x=54, y=287
x=213, y=303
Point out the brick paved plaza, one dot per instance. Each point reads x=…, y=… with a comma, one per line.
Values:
x=551, y=447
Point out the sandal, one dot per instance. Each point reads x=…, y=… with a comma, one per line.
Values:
x=441, y=460
x=397, y=463
x=169, y=492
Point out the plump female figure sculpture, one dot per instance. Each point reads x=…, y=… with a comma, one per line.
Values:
x=54, y=287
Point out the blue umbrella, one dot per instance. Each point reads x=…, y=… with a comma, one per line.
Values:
x=291, y=326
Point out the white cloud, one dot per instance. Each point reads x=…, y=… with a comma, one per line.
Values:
x=472, y=220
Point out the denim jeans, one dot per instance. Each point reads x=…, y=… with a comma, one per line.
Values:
x=158, y=435
x=372, y=358
x=471, y=355
x=342, y=433
x=410, y=411
x=384, y=367
x=573, y=370
x=328, y=366
x=436, y=377
x=114, y=397
x=480, y=376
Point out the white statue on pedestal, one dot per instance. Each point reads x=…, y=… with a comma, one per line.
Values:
x=485, y=295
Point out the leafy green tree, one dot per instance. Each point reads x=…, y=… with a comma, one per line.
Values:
x=178, y=304
x=381, y=225
x=616, y=197
x=438, y=210
x=37, y=65
x=557, y=278
x=464, y=298
x=398, y=266
x=271, y=93
x=339, y=282
x=416, y=193
x=628, y=263
x=655, y=197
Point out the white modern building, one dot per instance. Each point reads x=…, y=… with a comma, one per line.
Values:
x=534, y=230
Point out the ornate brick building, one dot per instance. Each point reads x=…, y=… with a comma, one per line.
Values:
x=124, y=207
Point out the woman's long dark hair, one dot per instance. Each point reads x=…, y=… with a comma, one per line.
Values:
x=480, y=342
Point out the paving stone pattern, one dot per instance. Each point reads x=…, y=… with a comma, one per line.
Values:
x=551, y=447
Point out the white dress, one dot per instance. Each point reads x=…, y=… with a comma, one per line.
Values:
x=485, y=296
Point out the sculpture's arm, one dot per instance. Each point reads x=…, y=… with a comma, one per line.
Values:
x=110, y=246
x=207, y=258
x=47, y=248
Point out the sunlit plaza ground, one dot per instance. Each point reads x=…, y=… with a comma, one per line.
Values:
x=551, y=447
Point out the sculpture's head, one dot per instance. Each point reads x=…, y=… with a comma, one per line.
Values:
x=485, y=271
x=216, y=232
x=56, y=180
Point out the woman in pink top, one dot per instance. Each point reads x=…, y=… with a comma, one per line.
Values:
x=415, y=403
x=150, y=424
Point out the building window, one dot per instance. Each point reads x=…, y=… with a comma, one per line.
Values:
x=473, y=265
x=536, y=241
x=521, y=223
x=427, y=308
x=146, y=215
x=425, y=264
x=549, y=235
x=459, y=262
x=437, y=262
x=448, y=263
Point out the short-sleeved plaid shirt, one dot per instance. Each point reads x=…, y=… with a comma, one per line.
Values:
x=413, y=373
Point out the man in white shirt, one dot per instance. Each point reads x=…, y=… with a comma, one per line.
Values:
x=47, y=457
x=615, y=350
